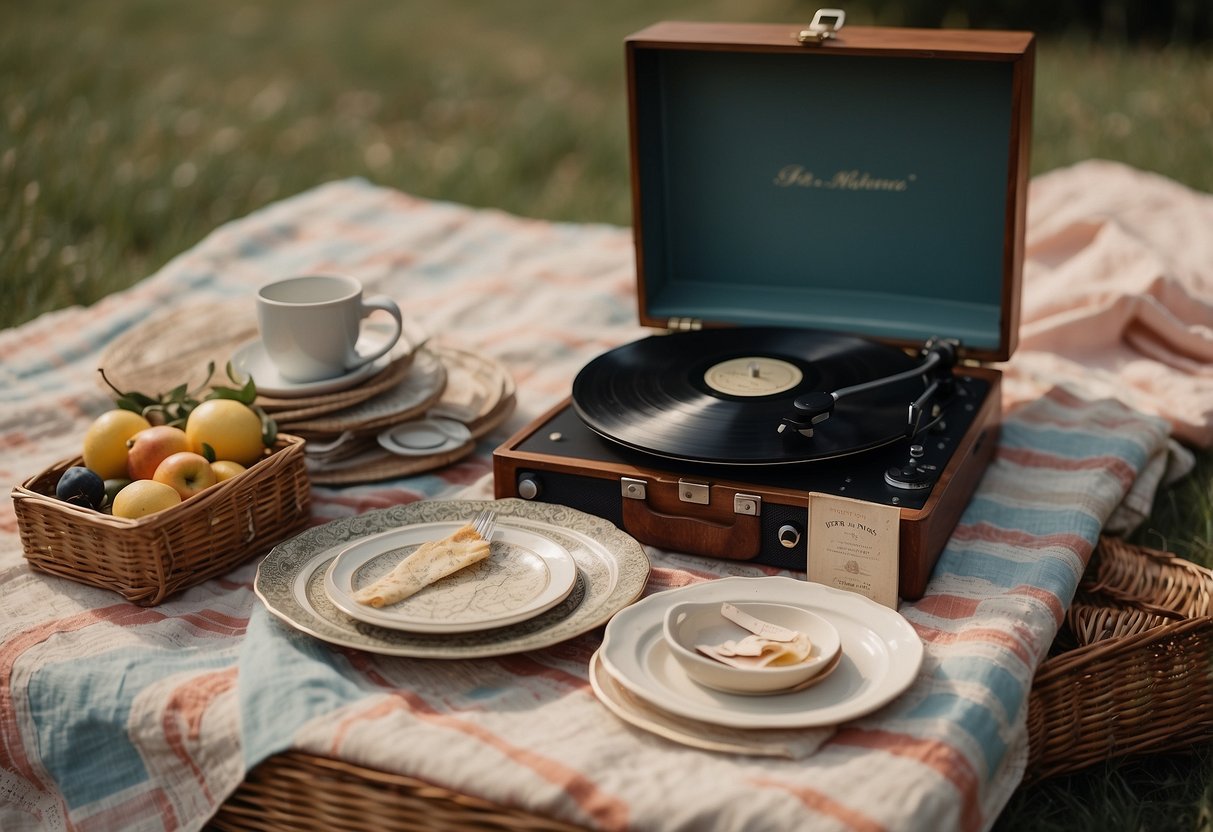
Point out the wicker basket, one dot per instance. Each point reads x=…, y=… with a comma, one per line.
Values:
x=152, y=558
x=1132, y=671
x=297, y=792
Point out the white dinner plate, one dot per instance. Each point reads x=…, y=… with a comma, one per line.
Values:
x=525, y=574
x=612, y=569
x=792, y=744
x=881, y=657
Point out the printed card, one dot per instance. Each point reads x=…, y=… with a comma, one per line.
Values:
x=853, y=545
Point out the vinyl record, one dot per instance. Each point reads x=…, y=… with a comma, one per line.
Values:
x=718, y=396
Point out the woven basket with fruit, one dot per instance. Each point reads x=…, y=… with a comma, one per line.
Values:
x=169, y=490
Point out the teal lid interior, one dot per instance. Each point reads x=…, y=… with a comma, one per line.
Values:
x=865, y=195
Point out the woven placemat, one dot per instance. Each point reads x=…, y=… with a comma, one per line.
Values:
x=476, y=385
x=173, y=347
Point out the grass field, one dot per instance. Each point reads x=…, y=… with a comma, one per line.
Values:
x=130, y=129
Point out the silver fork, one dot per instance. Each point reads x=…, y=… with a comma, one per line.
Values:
x=485, y=522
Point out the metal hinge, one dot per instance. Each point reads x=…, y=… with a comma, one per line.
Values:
x=684, y=324
x=825, y=26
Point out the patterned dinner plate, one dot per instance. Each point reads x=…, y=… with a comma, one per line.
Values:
x=525, y=573
x=612, y=569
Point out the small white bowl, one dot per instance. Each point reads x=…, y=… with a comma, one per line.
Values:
x=689, y=624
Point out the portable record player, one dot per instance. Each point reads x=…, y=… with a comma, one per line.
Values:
x=829, y=226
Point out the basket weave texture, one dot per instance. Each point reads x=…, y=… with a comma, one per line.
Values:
x=300, y=792
x=1132, y=671
x=150, y=559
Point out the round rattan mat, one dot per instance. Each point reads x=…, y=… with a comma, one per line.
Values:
x=173, y=347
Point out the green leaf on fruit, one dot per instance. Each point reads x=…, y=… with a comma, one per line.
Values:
x=126, y=403
x=174, y=407
x=208, y=452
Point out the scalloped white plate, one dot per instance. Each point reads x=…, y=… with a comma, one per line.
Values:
x=525, y=574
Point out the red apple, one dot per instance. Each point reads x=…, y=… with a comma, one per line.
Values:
x=187, y=472
x=151, y=446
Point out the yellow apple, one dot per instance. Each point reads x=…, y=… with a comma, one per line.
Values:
x=143, y=497
x=148, y=448
x=225, y=469
x=105, y=450
x=187, y=473
x=231, y=428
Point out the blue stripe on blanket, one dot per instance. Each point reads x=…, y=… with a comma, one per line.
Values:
x=85, y=706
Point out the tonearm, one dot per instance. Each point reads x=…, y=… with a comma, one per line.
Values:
x=938, y=358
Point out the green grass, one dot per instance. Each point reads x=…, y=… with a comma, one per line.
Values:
x=129, y=129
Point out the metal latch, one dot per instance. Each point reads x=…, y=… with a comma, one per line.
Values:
x=750, y=504
x=825, y=26
x=632, y=488
x=694, y=492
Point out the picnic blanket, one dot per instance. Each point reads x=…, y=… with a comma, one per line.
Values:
x=115, y=715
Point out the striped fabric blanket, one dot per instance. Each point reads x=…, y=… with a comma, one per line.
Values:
x=116, y=716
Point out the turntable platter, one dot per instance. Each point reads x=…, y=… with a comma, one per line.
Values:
x=718, y=395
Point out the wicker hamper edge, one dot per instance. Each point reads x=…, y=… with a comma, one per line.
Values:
x=1144, y=693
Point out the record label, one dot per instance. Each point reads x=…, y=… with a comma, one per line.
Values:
x=752, y=376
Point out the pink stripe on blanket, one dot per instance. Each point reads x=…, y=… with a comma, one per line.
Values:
x=216, y=622
x=949, y=763
x=947, y=606
x=820, y=803
x=607, y=811
x=146, y=809
x=987, y=532
x=188, y=704
x=1114, y=465
x=985, y=635
x=523, y=666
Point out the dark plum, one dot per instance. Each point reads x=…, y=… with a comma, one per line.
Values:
x=82, y=487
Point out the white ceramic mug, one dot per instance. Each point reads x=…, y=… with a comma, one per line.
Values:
x=310, y=325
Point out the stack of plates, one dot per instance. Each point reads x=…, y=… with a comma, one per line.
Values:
x=416, y=409
x=636, y=676
x=553, y=573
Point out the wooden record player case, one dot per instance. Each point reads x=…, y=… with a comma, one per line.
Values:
x=871, y=183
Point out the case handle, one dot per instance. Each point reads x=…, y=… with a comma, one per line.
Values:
x=739, y=540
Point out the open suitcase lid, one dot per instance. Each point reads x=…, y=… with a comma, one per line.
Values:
x=873, y=183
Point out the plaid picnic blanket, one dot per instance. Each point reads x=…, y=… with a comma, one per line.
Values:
x=112, y=715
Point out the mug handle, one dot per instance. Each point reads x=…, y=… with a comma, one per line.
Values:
x=386, y=304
